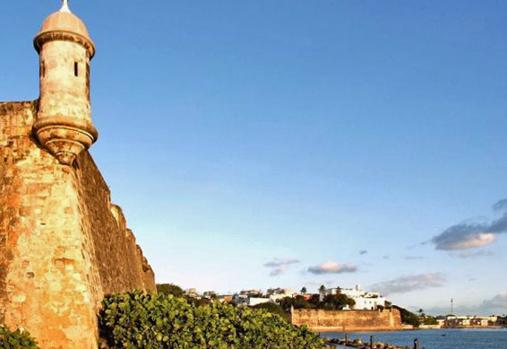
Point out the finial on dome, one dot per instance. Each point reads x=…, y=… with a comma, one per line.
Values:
x=65, y=6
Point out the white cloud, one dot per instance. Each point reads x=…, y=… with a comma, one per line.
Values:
x=472, y=235
x=332, y=268
x=467, y=241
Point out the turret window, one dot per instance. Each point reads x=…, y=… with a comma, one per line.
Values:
x=88, y=80
x=76, y=69
x=42, y=69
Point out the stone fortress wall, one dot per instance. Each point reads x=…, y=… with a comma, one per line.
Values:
x=348, y=320
x=63, y=244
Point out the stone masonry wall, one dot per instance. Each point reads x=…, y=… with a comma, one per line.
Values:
x=120, y=261
x=349, y=320
x=63, y=245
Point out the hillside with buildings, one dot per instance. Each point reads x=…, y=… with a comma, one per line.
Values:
x=330, y=309
x=336, y=309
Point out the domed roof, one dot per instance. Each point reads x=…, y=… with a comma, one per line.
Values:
x=64, y=20
x=64, y=25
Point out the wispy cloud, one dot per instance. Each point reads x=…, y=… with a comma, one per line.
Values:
x=475, y=254
x=410, y=283
x=316, y=285
x=496, y=305
x=332, y=268
x=469, y=235
x=413, y=258
x=279, y=266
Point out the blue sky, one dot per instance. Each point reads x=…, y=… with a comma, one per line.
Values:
x=297, y=134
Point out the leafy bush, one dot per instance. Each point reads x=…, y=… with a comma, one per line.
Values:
x=16, y=340
x=170, y=289
x=147, y=321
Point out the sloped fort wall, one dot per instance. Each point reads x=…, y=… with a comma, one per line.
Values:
x=63, y=244
x=348, y=320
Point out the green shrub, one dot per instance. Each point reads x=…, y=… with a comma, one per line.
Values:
x=170, y=289
x=16, y=340
x=147, y=321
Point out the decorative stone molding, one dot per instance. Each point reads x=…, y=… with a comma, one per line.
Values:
x=62, y=35
x=65, y=138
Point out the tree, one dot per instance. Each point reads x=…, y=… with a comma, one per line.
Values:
x=274, y=308
x=430, y=320
x=408, y=318
x=315, y=300
x=337, y=302
x=297, y=302
x=304, y=290
x=170, y=289
x=330, y=302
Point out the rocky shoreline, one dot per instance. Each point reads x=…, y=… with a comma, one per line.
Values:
x=358, y=343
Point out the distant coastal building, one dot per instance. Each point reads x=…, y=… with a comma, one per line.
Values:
x=252, y=298
x=250, y=301
x=364, y=300
x=277, y=294
x=226, y=298
x=210, y=295
x=453, y=321
x=192, y=293
x=251, y=293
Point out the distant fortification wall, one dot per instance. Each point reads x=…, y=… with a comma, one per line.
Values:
x=348, y=320
x=63, y=244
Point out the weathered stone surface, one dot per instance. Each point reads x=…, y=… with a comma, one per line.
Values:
x=349, y=320
x=64, y=123
x=63, y=244
x=124, y=267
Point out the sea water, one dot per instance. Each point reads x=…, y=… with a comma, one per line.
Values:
x=436, y=339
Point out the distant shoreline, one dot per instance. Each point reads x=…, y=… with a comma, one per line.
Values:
x=340, y=330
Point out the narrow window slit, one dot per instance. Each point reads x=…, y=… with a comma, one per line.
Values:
x=76, y=69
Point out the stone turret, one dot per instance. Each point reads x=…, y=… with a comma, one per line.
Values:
x=64, y=124
x=63, y=244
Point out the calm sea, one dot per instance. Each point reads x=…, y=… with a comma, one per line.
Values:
x=437, y=339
